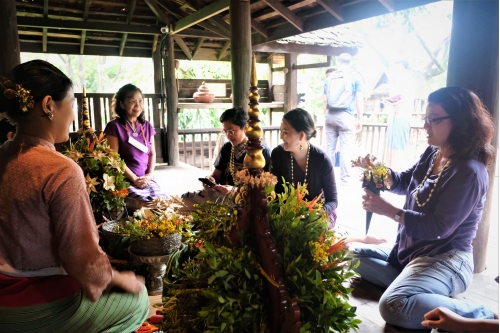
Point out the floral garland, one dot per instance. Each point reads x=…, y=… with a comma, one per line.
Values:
x=265, y=179
x=23, y=95
x=103, y=169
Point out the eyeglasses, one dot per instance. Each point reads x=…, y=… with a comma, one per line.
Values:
x=434, y=121
x=228, y=132
x=134, y=102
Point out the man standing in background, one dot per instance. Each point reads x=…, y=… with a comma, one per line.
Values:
x=344, y=107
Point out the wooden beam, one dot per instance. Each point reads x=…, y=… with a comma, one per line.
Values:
x=44, y=40
x=198, y=46
x=388, y=5
x=259, y=28
x=316, y=65
x=155, y=8
x=45, y=13
x=155, y=44
x=90, y=49
x=183, y=46
x=131, y=9
x=90, y=26
x=333, y=7
x=9, y=53
x=223, y=50
x=286, y=13
x=197, y=33
x=204, y=13
x=82, y=41
x=303, y=49
x=86, y=9
x=221, y=24
x=352, y=11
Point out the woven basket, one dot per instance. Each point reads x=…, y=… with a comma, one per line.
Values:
x=156, y=246
x=108, y=227
x=134, y=204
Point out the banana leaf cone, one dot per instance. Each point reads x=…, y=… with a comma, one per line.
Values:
x=372, y=186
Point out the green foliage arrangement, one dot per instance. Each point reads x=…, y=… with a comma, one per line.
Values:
x=103, y=170
x=315, y=262
x=217, y=286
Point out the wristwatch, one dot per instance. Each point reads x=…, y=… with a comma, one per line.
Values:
x=398, y=215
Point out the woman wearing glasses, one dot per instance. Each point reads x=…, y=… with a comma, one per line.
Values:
x=231, y=156
x=445, y=194
x=132, y=136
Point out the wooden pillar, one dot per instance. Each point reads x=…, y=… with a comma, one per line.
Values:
x=270, y=85
x=241, y=51
x=291, y=97
x=473, y=64
x=172, y=102
x=158, y=107
x=10, y=55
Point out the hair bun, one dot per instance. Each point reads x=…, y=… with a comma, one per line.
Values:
x=313, y=134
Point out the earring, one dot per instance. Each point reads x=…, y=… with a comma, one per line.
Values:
x=50, y=115
x=301, y=147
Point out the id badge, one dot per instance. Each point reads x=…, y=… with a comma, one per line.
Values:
x=137, y=144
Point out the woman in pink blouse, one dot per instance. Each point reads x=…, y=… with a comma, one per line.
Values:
x=53, y=275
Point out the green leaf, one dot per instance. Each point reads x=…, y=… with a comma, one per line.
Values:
x=221, y=273
x=211, y=279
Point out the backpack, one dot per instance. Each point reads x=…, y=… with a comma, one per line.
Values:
x=339, y=93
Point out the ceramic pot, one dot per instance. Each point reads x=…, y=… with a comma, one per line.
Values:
x=203, y=95
x=156, y=246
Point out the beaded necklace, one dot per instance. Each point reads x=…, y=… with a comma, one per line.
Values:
x=231, y=163
x=425, y=178
x=307, y=163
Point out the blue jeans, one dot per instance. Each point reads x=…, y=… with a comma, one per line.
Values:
x=424, y=284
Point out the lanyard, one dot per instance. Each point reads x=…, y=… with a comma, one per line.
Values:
x=142, y=131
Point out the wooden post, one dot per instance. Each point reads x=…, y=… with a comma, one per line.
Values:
x=291, y=96
x=10, y=55
x=172, y=102
x=270, y=85
x=157, y=107
x=473, y=64
x=241, y=51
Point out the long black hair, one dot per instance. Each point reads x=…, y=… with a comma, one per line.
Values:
x=40, y=78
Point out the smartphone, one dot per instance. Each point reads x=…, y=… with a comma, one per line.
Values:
x=207, y=182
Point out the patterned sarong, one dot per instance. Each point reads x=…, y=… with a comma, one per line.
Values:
x=146, y=194
x=114, y=312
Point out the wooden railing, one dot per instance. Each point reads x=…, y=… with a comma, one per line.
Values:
x=196, y=146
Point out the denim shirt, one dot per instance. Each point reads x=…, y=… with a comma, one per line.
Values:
x=450, y=219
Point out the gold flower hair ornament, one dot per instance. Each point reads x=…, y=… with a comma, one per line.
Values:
x=23, y=95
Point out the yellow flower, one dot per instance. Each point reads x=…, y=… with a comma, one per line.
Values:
x=109, y=182
x=115, y=163
x=91, y=182
x=98, y=155
x=75, y=155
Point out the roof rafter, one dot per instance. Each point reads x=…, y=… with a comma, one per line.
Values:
x=333, y=7
x=201, y=15
x=303, y=48
x=257, y=26
x=84, y=32
x=183, y=46
x=155, y=8
x=198, y=46
x=45, y=14
x=222, y=52
x=286, y=13
x=131, y=9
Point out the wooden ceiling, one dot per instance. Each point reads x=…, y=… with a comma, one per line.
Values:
x=200, y=27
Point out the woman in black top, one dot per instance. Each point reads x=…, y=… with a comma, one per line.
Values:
x=298, y=161
x=231, y=156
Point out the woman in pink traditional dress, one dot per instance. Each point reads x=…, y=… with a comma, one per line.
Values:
x=53, y=275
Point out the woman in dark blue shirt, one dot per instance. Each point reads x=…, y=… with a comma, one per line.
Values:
x=445, y=193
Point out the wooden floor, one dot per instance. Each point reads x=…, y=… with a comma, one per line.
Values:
x=351, y=218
